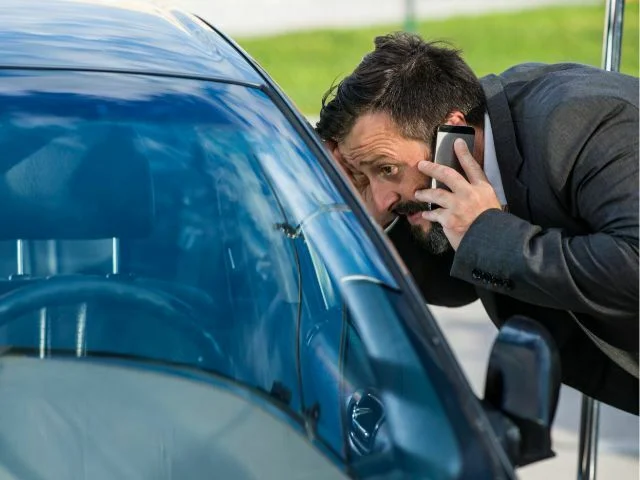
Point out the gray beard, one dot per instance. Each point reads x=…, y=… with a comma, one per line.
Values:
x=434, y=241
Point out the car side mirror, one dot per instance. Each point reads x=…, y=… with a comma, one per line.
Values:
x=523, y=386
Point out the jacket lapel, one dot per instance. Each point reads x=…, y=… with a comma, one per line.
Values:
x=509, y=158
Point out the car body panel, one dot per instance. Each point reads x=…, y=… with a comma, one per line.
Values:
x=123, y=36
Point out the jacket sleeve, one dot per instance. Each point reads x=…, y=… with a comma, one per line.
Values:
x=431, y=272
x=594, y=273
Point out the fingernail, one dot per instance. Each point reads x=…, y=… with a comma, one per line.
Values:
x=422, y=163
x=460, y=142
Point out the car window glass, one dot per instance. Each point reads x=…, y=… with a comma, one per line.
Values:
x=321, y=335
x=214, y=244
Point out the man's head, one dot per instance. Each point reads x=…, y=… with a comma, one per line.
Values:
x=382, y=120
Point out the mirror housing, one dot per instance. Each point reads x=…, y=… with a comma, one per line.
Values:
x=522, y=389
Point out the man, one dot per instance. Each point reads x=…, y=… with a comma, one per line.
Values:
x=545, y=222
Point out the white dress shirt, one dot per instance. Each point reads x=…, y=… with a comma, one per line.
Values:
x=491, y=169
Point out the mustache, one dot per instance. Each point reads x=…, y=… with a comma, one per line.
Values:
x=409, y=208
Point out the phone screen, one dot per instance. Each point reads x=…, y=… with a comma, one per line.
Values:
x=444, y=154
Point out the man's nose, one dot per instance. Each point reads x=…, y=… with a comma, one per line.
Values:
x=384, y=197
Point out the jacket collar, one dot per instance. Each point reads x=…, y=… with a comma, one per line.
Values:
x=509, y=157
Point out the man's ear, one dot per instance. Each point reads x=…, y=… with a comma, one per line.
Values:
x=456, y=117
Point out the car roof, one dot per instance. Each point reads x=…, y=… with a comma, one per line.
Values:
x=119, y=35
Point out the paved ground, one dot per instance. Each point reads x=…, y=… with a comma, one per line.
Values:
x=468, y=329
x=256, y=17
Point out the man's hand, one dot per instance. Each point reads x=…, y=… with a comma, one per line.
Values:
x=382, y=218
x=466, y=200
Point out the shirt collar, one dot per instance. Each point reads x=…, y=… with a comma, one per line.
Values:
x=491, y=169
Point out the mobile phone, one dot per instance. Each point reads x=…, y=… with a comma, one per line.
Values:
x=444, y=154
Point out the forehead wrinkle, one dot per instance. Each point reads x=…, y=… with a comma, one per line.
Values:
x=370, y=152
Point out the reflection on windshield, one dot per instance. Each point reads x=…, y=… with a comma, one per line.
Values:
x=175, y=177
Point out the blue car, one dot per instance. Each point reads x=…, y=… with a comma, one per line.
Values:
x=190, y=288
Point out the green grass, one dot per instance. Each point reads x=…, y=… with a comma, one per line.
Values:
x=305, y=64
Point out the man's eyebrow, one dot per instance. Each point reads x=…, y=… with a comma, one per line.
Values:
x=376, y=159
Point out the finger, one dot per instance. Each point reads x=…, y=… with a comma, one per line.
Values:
x=337, y=156
x=330, y=144
x=439, y=196
x=447, y=175
x=434, y=216
x=471, y=167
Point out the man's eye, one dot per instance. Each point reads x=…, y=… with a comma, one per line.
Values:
x=388, y=170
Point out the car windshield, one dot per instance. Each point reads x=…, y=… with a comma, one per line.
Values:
x=159, y=188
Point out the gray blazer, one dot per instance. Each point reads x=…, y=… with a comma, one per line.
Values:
x=566, y=139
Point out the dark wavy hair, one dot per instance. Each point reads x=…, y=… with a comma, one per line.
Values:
x=416, y=82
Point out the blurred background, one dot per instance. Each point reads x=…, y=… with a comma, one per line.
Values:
x=306, y=45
